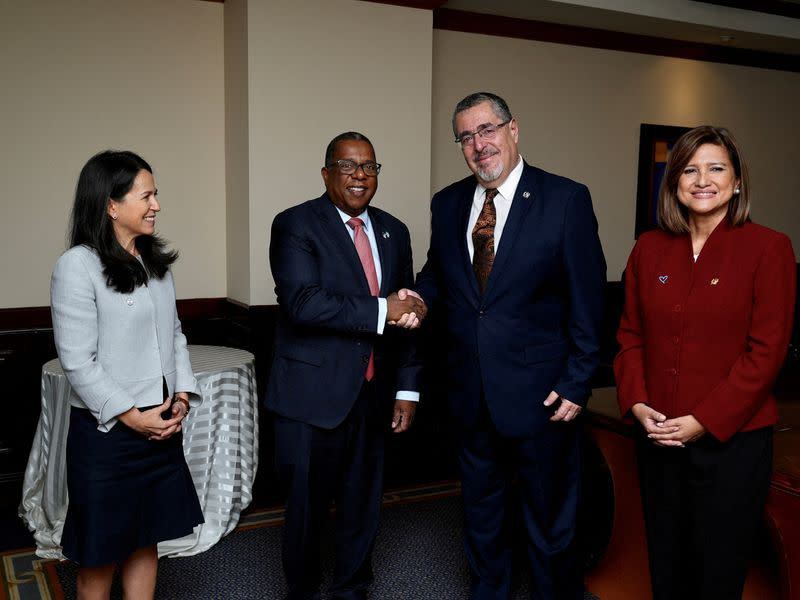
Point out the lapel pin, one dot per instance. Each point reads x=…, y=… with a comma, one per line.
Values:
x=386, y=235
x=715, y=281
x=526, y=194
x=663, y=278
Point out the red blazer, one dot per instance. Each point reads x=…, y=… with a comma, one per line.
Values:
x=707, y=338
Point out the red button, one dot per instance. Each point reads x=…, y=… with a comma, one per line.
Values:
x=676, y=340
x=677, y=308
x=673, y=371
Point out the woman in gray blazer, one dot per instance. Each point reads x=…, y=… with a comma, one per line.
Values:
x=120, y=343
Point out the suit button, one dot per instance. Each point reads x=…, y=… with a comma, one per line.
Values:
x=673, y=371
x=676, y=340
x=365, y=359
x=677, y=308
x=481, y=313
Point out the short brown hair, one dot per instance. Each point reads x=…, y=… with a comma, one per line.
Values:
x=672, y=215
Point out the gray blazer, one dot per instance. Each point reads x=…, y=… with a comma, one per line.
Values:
x=115, y=348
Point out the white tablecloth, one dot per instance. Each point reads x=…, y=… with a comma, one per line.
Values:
x=220, y=442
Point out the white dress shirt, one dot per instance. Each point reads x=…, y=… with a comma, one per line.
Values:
x=382, y=304
x=502, y=205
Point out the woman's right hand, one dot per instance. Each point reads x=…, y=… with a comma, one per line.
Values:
x=150, y=423
x=652, y=421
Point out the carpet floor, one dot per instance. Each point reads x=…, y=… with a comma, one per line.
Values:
x=418, y=556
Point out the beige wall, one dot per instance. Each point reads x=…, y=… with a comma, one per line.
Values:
x=236, y=129
x=321, y=67
x=79, y=77
x=237, y=152
x=579, y=111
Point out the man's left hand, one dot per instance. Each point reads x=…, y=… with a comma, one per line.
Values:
x=403, y=415
x=566, y=411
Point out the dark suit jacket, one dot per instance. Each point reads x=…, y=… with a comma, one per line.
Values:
x=536, y=328
x=327, y=323
x=707, y=338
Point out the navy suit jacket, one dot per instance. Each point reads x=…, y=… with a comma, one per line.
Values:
x=328, y=318
x=537, y=327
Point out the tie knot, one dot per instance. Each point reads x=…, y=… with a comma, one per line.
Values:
x=355, y=222
x=490, y=194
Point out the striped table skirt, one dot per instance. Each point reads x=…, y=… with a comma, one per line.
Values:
x=220, y=442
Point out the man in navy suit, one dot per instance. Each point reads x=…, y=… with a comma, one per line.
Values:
x=516, y=265
x=335, y=369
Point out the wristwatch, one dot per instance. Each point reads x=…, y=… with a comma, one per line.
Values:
x=185, y=403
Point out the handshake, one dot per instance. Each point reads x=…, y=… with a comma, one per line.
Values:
x=405, y=308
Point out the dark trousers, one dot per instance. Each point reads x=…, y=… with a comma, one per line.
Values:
x=316, y=466
x=547, y=468
x=703, y=505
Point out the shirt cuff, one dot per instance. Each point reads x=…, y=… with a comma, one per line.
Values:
x=382, y=310
x=407, y=395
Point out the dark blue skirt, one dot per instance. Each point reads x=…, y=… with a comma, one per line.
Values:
x=125, y=492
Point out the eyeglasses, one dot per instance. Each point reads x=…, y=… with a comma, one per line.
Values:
x=348, y=167
x=485, y=133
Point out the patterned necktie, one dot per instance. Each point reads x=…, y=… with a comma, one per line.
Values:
x=368, y=263
x=483, y=241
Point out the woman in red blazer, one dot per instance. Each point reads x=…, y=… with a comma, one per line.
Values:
x=709, y=299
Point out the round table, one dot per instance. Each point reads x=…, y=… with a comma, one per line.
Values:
x=220, y=442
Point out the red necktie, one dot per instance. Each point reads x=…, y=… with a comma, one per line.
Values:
x=368, y=263
x=483, y=240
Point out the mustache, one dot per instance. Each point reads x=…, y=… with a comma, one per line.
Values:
x=485, y=153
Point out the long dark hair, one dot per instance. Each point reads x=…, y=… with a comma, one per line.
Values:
x=109, y=175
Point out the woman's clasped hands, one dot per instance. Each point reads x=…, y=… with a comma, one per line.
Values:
x=151, y=424
x=675, y=432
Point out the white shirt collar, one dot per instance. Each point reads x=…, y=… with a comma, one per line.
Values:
x=364, y=216
x=509, y=186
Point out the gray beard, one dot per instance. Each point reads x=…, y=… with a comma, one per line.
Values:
x=490, y=175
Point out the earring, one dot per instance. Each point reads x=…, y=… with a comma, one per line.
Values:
x=115, y=216
x=736, y=191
